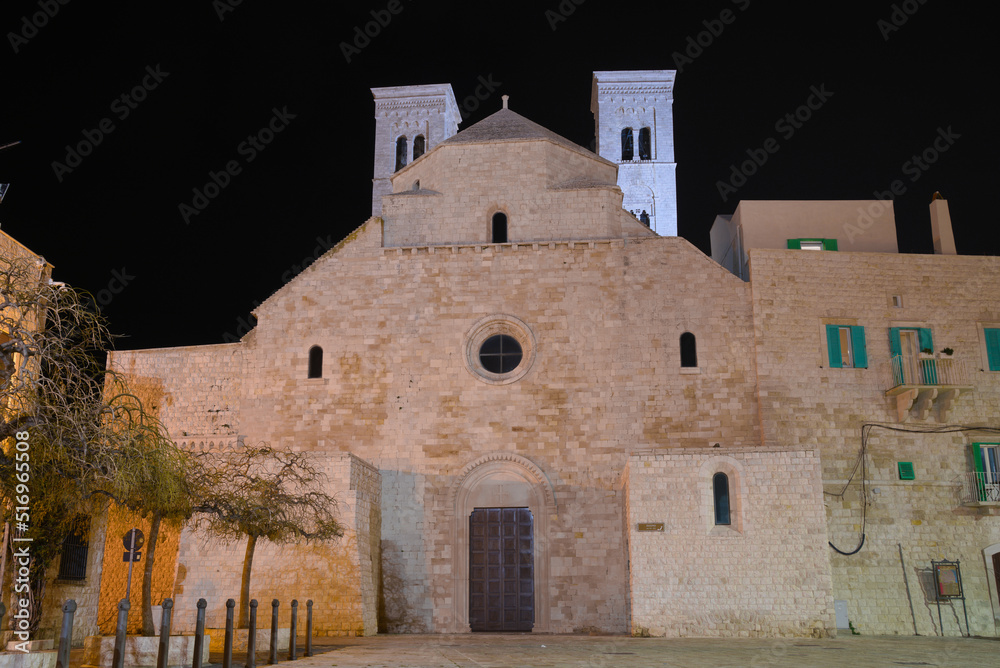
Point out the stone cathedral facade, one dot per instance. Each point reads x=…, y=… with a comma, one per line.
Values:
x=540, y=413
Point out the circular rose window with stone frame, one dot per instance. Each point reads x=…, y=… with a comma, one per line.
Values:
x=499, y=349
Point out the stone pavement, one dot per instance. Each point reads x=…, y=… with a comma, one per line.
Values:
x=538, y=651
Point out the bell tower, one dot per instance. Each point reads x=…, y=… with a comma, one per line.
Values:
x=409, y=121
x=633, y=115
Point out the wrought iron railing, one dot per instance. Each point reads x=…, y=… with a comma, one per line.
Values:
x=981, y=488
x=908, y=370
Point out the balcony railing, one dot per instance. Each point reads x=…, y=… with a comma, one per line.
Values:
x=924, y=382
x=908, y=370
x=981, y=489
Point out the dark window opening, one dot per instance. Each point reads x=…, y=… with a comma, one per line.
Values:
x=73, y=563
x=315, y=362
x=689, y=351
x=499, y=228
x=500, y=354
x=644, y=218
x=418, y=146
x=645, y=145
x=400, y=153
x=627, y=150
x=720, y=490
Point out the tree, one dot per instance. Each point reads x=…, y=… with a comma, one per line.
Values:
x=84, y=433
x=261, y=492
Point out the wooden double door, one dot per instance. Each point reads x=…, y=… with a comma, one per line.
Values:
x=501, y=570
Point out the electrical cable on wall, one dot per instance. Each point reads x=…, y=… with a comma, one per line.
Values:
x=862, y=465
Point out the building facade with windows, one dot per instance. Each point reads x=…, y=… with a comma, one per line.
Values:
x=542, y=415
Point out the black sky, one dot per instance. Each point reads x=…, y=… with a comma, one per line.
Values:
x=113, y=221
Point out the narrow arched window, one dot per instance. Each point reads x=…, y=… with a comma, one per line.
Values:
x=720, y=490
x=400, y=153
x=315, y=362
x=689, y=351
x=645, y=145
x=418, y=146
x=627, y=150
x=499, y=228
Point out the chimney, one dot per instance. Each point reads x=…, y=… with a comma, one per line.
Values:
x=944, y=239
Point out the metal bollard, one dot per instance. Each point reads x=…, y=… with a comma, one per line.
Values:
x=292, y=631
x=309, y=628
x=227, y=651
x=66, y=635
x=273, y=658
x=199, y=633
x=252, y=636
x=163, y=651
x=118, y=660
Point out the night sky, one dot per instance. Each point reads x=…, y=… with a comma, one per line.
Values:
x=896, y=78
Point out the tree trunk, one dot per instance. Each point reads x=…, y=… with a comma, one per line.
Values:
x=147, y=578
x=244, y=621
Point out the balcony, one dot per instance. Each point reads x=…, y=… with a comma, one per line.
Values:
x=981, y=489
x=923, y=382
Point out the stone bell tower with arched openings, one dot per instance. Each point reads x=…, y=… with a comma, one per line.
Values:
x=633, y=114
x=409, y=121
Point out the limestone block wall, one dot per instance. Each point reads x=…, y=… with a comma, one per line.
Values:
x=767, y=574
x=805, y=403
x=341, y=576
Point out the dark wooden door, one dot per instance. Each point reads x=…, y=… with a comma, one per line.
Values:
x=996, y=571
x=501, y=570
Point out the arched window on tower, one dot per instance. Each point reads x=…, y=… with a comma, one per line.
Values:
x=689, y=351
x=627, y=150
x=720, y=492
x=499, y=230
x=645, y=144
x=400, y=153
x=418, y=146
x=315, y=362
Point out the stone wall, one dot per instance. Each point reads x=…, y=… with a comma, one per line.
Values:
x=765, y=574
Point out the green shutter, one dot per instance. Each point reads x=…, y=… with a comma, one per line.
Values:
x=795, y=243
x=833, y=345
x=860, y=351
x=977, y=458
x=926, y=341
x=905, y=470
x=830, y=244
x=895, y=347
x=993, y=348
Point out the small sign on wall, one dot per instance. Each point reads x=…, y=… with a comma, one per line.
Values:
x=650, y=526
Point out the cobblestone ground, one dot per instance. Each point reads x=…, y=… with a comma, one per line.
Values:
x=538, y=651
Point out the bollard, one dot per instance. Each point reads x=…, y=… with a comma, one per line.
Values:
x=227, y=651
x=66, y=635
x=309, y=628
x=118, y=660
x=199, y=633
x=273, y=657
x=291, y=633
x=252, y=636
x=163, y=651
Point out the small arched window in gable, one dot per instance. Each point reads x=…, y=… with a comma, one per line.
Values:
x=689, y=351
x=627, y=150
x=499, y=235
x=645, y=144
x=400, y=153
x=315, y=362
x=720, y=492
x=419, y=146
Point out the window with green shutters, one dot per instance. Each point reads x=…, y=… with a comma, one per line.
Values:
x=813, y=244
x=846, y=347
x=993, y=348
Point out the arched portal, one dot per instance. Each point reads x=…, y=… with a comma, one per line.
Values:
x=498, y=481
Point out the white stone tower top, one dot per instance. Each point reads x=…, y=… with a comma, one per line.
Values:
x=409, y=121
x=633, y=116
